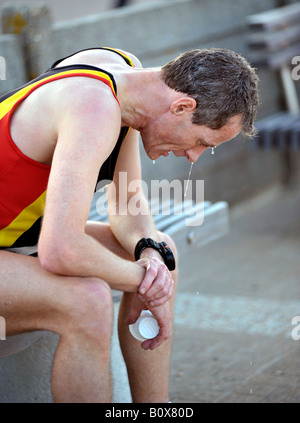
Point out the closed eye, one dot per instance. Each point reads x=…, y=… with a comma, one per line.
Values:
x=202, y=143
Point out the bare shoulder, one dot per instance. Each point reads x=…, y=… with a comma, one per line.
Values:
x=89, y=115
x=100, y=58
x=136, y=62
x=87, y=96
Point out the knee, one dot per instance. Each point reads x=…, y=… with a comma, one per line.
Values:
x=169, y=240
x=96, y=297
x=90, y=310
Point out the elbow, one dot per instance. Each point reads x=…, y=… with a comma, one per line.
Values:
x=57, y=259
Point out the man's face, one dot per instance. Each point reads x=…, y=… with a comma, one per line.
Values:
x=184, y=138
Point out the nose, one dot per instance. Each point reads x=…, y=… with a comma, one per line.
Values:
x=194, y=153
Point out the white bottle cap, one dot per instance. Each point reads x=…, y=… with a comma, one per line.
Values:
x=146, y=326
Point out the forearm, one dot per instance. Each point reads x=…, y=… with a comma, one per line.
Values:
x=137, y=227
x=157, y=286
x=86, y=257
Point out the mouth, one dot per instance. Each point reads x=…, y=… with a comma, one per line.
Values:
x=183, y=153
x=157, y=156
x=176, y=154
x=180, y=153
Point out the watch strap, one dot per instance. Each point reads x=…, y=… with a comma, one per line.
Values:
x=162, y=247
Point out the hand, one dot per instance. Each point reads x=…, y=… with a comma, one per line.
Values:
x=157, y=285
x=162, y=314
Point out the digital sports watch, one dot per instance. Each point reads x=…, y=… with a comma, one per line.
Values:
x=162, y=247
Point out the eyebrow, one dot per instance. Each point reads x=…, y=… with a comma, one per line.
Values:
x=206, y=144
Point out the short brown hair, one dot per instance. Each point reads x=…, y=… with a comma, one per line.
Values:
x=221, y=81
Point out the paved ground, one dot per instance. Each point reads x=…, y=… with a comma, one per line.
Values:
x=233, y=339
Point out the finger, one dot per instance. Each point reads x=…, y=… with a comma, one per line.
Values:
x=150, y=275
x=134, y=313
x=161, y=297
x=163, y=335
x=165, y=297
x=160, y=287
x=152, y=344
x=132, y=316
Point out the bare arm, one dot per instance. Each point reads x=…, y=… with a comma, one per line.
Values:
x=131, y=200
x=135, y=220
x=131, y=226
x=87, y=132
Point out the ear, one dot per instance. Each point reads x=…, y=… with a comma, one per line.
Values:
x=182, y=105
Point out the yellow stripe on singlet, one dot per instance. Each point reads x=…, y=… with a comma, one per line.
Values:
x=122, y=54
x=7, y=104
x=22, y=222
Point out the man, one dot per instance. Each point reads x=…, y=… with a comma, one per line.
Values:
x=56, y=133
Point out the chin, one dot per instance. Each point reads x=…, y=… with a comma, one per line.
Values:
x=178, y=154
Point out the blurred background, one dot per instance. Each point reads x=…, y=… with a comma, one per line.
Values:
x=238, y=294
x=70, y=9
x=156, y=31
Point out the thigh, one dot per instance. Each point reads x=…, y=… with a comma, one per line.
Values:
x=31, y=298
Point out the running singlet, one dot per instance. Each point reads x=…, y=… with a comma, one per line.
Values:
x=23, y=181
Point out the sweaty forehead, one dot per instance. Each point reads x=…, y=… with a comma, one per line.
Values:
x=229, y=131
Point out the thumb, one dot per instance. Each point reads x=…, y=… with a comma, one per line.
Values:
x=134, y=314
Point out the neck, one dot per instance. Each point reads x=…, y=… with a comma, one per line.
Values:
x=142, y=95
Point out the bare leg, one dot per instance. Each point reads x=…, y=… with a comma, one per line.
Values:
x=148, y=371
x=79, y=309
